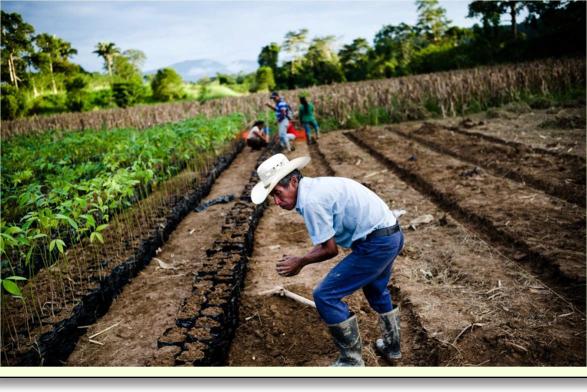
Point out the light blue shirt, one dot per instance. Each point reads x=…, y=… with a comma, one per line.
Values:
x=340, y=208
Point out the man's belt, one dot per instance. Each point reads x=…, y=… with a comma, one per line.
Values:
x=379, y=233
x=383, y=232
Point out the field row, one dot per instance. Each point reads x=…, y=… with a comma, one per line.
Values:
x=467, y=296
x=42, y=328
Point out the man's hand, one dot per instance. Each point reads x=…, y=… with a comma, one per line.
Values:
x=289, y=266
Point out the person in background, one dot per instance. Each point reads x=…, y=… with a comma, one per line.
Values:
x=258, y=136
x=307, y=118
x=283, y=117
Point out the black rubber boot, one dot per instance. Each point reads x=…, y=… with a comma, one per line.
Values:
x=348, y=340
x=389, y=344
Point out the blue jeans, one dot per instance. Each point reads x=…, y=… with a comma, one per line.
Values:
x=283, y=136
x=314, y=125
x=367, y=267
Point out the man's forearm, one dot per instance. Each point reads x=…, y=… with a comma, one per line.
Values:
x=320, y=253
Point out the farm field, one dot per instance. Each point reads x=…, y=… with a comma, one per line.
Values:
x=467, y=297
x=497, y=277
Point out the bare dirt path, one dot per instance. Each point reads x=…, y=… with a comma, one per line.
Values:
x=148, y=305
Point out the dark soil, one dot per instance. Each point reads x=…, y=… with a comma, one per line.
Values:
x=150, y=303
x=462, y=302
x=546, y=231
x=496, y=278
x=560, y=175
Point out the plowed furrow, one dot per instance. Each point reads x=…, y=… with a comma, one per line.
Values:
x=467, y=303
x=528, y=225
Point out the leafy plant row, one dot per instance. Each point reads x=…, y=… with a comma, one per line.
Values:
x=62, y=186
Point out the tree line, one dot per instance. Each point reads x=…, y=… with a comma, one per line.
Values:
x=38, y=76
x=549, y=29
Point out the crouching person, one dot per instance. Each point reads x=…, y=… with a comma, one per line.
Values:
x=258, y=136
x=340, y=211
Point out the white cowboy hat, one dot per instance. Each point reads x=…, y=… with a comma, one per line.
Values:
x=271, y=172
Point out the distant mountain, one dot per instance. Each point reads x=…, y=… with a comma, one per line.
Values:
x=192, y=70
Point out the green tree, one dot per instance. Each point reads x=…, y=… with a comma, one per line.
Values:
x=107, y=50
x=321, y=64
x=167, y=85
x=127, y=85
x=14, y=103
x=52, y=50
x=295, y=44
x=124, y=70
x=77, y=97
x=269, y=56
x=432, y=19
x=15, y=42
x=490, y=14
x=355, y=59
x=264, y=79
x=394, y=49
x=136, y=57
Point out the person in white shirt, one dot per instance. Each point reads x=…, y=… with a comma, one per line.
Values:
x=340, y=211
x=258, y=136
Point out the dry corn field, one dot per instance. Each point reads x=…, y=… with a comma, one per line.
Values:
x=402, y=98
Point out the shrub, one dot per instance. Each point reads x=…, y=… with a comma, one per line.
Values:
x=264, y=80
x=47, y=104
x=78, y=101
x=167, y=85
x=14, y=103
x=102, y=98
x=126, y=94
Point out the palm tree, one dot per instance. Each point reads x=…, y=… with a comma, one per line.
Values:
x=52, y=49
x=107, y=50
x=294, y=44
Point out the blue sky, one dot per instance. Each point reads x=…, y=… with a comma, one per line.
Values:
x=173, y=31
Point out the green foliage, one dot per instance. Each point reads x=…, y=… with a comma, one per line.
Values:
x=49, y=104
x=78, y=100
x=550, y=29
x=126, y=94
x=53, y=54
x=14, y=103
x=204, y=89
x=16, y=45
x=77, y=83
x=10, y=286
x=225, y=79
x=167, y=85
x=432, y=21
x=354, y=59
x=107, y=50
x=123, y=70
x=58, y=188
x=264, y=80
x=269, y=56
